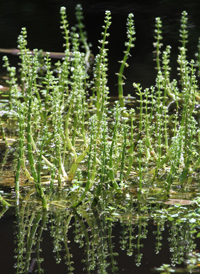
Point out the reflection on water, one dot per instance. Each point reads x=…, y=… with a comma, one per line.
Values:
x=114, y=237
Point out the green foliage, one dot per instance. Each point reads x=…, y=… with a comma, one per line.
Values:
x=129, y=44
x=66, y=134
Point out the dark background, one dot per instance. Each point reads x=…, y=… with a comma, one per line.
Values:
x=42, y=20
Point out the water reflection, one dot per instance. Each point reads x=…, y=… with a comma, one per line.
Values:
x=96, y=239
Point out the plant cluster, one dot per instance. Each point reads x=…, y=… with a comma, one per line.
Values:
x=68, y=130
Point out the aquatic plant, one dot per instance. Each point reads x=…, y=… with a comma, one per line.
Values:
x=69, y=132
x=129, y=45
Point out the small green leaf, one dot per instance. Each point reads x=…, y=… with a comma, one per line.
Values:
x=170, y=219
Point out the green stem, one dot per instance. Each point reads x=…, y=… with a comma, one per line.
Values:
x=20, y=154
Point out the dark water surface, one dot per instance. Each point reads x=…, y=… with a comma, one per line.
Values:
x=126, y=264
x=41, y=19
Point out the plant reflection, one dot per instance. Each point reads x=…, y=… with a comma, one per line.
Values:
x=93, y=232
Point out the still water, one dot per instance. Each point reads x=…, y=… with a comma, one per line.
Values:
x=95, y=240
x=120, y=237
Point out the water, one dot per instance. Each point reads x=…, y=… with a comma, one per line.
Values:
x=107, y=238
